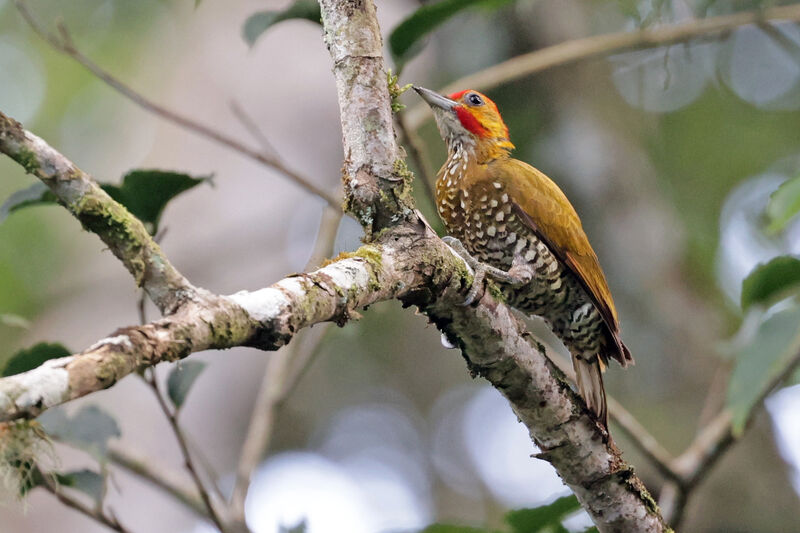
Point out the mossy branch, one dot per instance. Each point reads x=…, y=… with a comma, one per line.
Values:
x=124, y=234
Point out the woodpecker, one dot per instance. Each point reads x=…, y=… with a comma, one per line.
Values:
x=513, y=223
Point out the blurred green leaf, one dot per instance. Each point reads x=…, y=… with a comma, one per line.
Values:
x=36, y=194
x=543, y=518
x=86, y=481
x=300, y=527
x=145, y=193
x=29, y=358
x=14, y=321
x=630, y=8
x=769, y=281
x=405, y=39
x=257, y=23
x=761, y=361
x=783, y=205
x=90, y=428
x=181, y=379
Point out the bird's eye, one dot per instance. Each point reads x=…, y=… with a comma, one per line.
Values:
x=474, y=99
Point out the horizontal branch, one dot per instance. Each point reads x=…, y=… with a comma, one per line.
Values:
x=123, y=233
x=267, y=319
x=588, y=47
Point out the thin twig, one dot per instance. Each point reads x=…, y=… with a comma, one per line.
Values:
x=64, y=44
x=304, y=359
x=715, y=397
x=642, y=439
x=710, y=445
x=417, y=152
x=168, y=480
x=326, y=238
x=280, y=377
x=95, y=514
x=259, y=431
x=635, y=431
x=597, y=45
x=254, y=130
x=187, y=456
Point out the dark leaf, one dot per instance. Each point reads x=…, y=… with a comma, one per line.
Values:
x=547, y=517
x=30, y=358
x=783, y=205
x=405, y=40
x=181, y=379
x=445, y=528
x=760, y=361
x=300, y=527
x=36, y=194
x=30, y=475
x=86, y=481
x=145, y=193
x=770, y=281
x=257, y=23
x=89, y=429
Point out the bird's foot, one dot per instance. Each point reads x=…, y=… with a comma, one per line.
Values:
x=521, y=273
x=517, y=276
x=478, y=269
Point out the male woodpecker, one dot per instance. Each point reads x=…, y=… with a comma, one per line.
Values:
x=520, y=229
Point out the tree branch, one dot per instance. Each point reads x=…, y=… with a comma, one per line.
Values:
x=168, y=480
x=404, y=259
x=96, y=514
x=279, y=378
x=710, y=445
x=598, y=45
x=172, y=418
x=636, y=432
x=65, y=45
x=494, y=342
x=417, y=153
x=123, y=233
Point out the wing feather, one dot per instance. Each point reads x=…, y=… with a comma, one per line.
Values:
x=543, y=207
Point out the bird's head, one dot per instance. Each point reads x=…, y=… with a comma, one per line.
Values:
x=470, y=118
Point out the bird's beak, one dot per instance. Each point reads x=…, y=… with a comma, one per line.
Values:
x=435, y=100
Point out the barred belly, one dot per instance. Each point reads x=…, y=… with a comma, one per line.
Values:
x=482, y=218
x=554, y=293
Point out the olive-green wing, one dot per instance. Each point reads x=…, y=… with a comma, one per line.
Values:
x=543, y=207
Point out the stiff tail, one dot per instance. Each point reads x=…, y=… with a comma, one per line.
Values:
x=589, y=377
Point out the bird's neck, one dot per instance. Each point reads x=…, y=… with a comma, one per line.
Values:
x=469, y=151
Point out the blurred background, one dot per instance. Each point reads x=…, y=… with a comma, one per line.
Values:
x=669, y=155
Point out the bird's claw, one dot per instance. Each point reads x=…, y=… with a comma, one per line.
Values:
x=478, y=269
x=476, y=289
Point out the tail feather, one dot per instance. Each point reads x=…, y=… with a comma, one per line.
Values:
x=589, y=377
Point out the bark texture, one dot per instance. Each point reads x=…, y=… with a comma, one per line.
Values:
x=494, y=342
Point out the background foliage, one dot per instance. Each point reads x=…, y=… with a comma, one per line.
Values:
x=682, y=160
